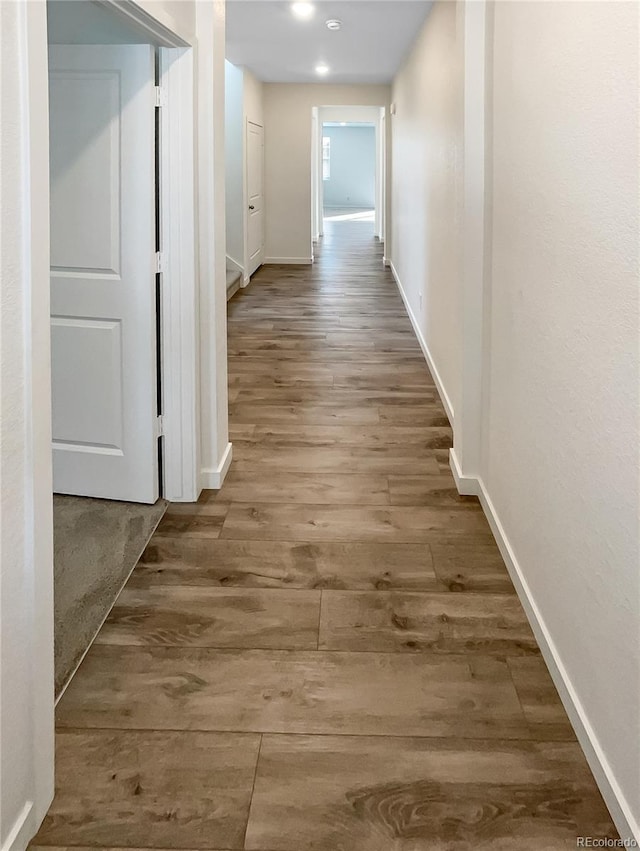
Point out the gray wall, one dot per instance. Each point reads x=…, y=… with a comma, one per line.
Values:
x=353, y=167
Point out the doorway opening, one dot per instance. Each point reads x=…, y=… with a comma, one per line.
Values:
x=349, y=172
x=123, y=319
x=244, y=173
x=348, y=169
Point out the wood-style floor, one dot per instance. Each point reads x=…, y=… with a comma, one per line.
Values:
x=328, y=654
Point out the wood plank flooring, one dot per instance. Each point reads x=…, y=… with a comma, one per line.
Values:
x=327, y=654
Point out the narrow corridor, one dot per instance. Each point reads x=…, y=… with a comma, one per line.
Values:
x=328, y=654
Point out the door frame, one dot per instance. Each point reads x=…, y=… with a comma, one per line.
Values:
x=245, y=212
x=350, y=114
x=179, y=315
x=178, y=323
x=381, y=174
x=319, y=168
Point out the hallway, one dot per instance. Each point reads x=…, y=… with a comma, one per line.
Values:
x=328, y=653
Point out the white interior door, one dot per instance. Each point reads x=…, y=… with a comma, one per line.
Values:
x=255, y=193
x=103, y=314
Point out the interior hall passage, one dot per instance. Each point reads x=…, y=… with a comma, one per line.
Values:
x=348, y=170
x=328, y=653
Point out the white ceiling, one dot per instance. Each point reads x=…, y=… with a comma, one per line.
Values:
x=376, y=36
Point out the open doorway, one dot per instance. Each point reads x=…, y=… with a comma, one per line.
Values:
x=349, y=169
x=349, y=172
x=123, y=323
x=244, y=164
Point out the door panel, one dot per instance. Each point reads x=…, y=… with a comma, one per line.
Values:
x=98, y=381
x=255, y=183
x=103, y=324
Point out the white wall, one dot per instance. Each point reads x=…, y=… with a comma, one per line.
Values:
x=427, y=165
x=253, y=98
x=561, y=442
x=287, y=115
x=545, y=378
x=352, y=177
x=215, y=449
x=26, y=550
x=234, y=152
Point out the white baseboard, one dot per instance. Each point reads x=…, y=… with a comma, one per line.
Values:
x=22, y=830
x=246, y=280
x=466, y=485
x=615, y=800
x=289, y=261
x=446, y=401
x=386, y=261
x=212, y=479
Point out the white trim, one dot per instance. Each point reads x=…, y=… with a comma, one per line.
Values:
x=614, y=798
x=315, y=210
x=213, y=479
x=386, y=261
x=245, y=212
x=178, y=293
x=33, y=593
x=381, y=145
x=236, y=266
x=212, y=290
x=466, y=485
x=22, y=830
x=233, y=264
x=474, y=203
x=446, y=401
x=294, y=261
x=149, y=26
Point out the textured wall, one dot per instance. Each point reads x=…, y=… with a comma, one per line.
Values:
x=561, y=425
x=427, y=181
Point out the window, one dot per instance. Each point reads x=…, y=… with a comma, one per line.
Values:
x=326, y=158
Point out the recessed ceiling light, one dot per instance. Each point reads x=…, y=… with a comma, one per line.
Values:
x=322, y=69
x=304, y=11
x=334, y=24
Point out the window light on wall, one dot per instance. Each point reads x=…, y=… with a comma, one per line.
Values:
x=326, y=158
